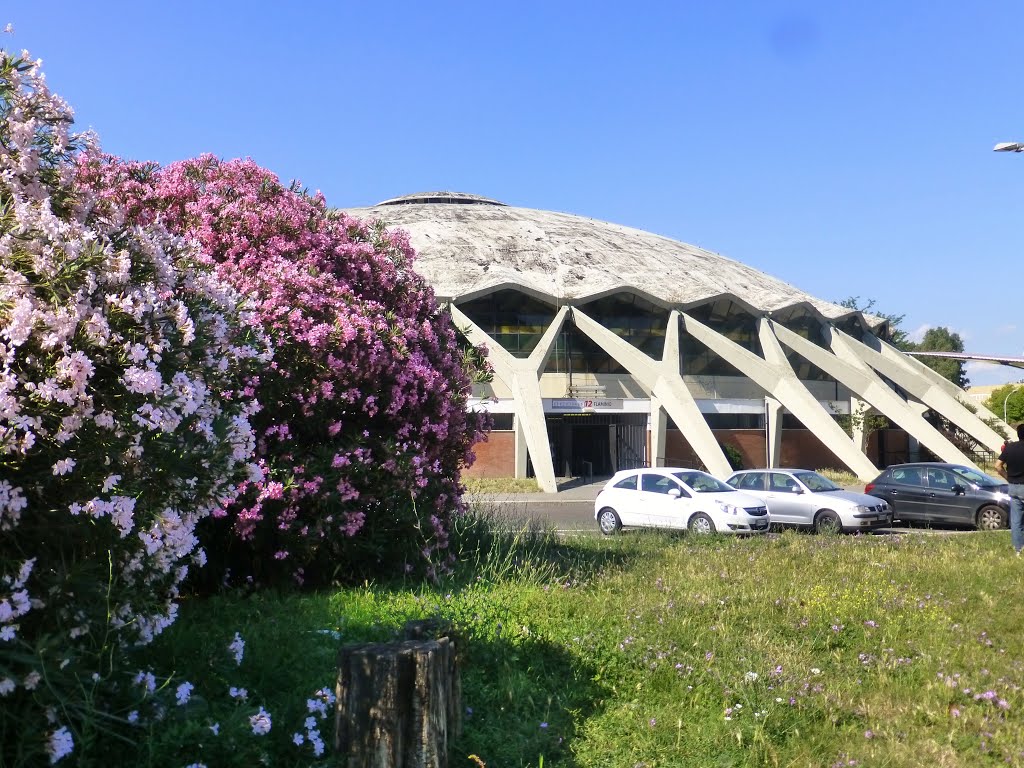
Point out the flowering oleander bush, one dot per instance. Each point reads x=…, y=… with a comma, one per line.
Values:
x=126, y=387
x=365, y=428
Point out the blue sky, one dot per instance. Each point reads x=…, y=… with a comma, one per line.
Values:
x=844, y=147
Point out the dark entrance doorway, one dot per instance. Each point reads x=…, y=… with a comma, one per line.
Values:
x=597, y=444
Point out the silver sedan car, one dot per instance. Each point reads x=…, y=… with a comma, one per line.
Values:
x=802, y=497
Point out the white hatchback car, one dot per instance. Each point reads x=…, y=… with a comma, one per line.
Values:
x=802, y=497
x=672, y=497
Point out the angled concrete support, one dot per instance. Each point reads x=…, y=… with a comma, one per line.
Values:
x=659, y=432
x=775, y=376
x=522, y=449
x=931, y=389
x=806, y=407
x=863, y=381
x=522, y=377
x=773, y=423
x=858, y=410
x=949, y=387
x=662, y=378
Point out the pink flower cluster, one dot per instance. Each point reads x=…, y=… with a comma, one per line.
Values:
x=364, y=430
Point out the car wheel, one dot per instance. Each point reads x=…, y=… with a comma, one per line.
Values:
x=701, y=523
x=827, y=521
x=991, y=518
x=608, y=520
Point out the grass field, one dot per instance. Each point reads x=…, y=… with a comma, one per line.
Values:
x=651, y=650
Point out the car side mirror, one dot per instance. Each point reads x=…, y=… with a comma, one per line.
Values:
x=958, y=489
x=675, y=493
x=798, y=489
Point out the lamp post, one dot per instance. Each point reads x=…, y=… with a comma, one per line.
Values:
x=1008, y=146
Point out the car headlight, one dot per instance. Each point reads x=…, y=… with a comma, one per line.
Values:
x=863, y=508
x=729, y=509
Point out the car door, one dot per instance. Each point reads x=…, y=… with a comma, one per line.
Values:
x=624, y=497
x=662, y=509
x=786, y=503
x=908, y=493
x=752, y=483
x=943, y=502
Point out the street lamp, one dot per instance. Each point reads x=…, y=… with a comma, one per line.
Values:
x=1008, y=146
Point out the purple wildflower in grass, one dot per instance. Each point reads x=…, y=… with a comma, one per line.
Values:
x=869, y=734
x=60, y=744
x=237, y=648
x=184, y=693
x=870, y=623
x=543, y=725
x=653, y=722
x=260, y=722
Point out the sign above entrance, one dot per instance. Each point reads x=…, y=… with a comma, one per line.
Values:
x=584, y=405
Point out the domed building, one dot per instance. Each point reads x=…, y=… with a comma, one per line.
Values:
x=614, y=348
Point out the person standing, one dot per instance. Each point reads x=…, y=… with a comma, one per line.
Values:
x=1010, y=465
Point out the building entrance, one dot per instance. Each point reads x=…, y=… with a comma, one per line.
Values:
x=597, y=444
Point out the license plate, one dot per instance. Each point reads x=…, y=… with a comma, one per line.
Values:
x=759, y=525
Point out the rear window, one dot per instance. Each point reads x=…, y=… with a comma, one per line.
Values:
x=629, y=483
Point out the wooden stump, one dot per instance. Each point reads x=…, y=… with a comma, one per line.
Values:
x=398, y=703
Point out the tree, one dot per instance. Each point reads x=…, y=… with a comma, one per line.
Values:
x=895, y=335
x=941, y=339
x=364, y=429
x=1010, y=396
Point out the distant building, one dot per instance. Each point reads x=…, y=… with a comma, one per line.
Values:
x=613, y=348
x=979, y=394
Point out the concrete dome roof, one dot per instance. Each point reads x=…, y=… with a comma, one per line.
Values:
x=468, y=246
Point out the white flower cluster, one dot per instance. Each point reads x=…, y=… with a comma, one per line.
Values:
x=318, y=707
x=124, y=413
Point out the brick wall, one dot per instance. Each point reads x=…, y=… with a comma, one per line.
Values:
x=800, y=448
x=495, y=456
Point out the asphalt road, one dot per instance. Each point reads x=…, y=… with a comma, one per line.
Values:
x=567, y=515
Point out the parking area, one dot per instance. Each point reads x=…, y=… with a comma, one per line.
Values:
x=571, y=510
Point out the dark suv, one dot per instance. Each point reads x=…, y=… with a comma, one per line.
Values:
x=943, y=493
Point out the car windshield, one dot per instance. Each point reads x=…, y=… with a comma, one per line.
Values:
x=702, y=482
x=977, y=478
x=816, y=482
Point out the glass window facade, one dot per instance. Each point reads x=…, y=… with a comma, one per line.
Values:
x=728, y=319
x=632, y=318
x=513, y=319
x=575, y=352
x=628, y=316
x=803, y=323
